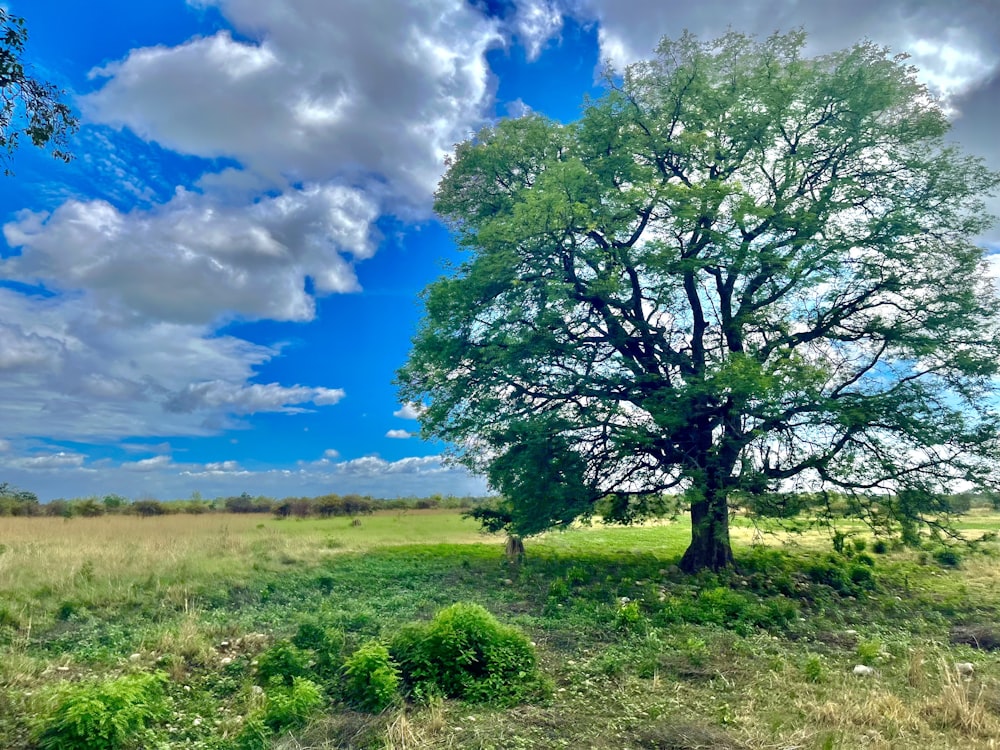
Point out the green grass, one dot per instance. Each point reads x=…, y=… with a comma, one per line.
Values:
x=638, y=655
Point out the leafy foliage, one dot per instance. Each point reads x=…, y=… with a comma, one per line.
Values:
x=281, y=664
x=292, y=706
x=371, y=680
x=46, y=120
x=742, y=270
x=104, y=715
x=465, y=653
x=326, y=644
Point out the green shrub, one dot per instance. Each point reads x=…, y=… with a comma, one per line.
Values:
x=865, y=559
x=869, y=651
x=291, y=707
x=880, y=546
x=630, y=619
x=9, y=618
x=327, y=644
x=281, y=664
x=371, y=680
x=696, y=650
x=465, y=653
x=862, y=576
x=104, y=714
x=254, y=735
x=577, y=575
x=559, y=590
x=947, y=556
x=814, y=669
x=830, y=573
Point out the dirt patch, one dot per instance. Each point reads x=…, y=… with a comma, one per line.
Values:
x=983, y=637
x=685, y=736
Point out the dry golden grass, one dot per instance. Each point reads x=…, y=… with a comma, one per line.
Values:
x=103, y=560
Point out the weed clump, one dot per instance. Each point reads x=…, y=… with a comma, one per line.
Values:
x=948, y=557
x=326, y=644
x=291, y=707
x=465, y=653
x=371, y=680
x=107, y=714
x=281, y=664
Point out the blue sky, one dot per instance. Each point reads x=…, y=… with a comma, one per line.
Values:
x=215, y=295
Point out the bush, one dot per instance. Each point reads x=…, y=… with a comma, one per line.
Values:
x=281, y=664
x=371, y=680
x=947, y=556
x=830, y=573
x=254, y=736
x=862, y=576
x=465, y=653
x=630, y=619
x=326, y=645
x=148, y=508
x=59, y=508
x=814, y=669
x=88, y=507
x=291, y=707
x=880, y=547
x=104, y=715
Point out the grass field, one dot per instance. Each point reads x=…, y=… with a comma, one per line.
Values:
x=636, y=655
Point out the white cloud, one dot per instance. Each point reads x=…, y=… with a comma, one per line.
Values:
x=4, y=446
x=331, y=453
x=21, y=350
x=249, y=399
x=398, y=434
x=372, y=466
x=955, y=45
x=410, y=411
x=50, y=461
x=196, y=260
x=535, y=22
x=148, y=464
x=69, y=474
x=145, y=447
x=223, y=466
x=330, y=91
x=114, y=372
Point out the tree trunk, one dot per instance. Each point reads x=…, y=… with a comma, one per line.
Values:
x=710, y=548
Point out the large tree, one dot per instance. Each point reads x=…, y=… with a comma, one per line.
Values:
x=29, y=107
x=742, y=270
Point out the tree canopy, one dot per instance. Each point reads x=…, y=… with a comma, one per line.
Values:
x=742, y=270
x=28, y=107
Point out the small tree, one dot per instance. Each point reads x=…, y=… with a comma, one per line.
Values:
x=741, y=271
x=44, y=120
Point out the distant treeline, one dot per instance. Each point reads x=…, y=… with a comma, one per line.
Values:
x=15, y=502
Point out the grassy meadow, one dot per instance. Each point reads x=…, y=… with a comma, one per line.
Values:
x=634, y=654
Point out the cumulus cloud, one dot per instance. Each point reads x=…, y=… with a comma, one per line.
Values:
x=22, y=350
x=398, y=434
x=50, y=461
x=159, y=476
x=535, y=23
x=372, y=466
x=113, y=373
x=250, y=399
x=957, y=46
x=409, y=411
x=223, y=466
x=195, y=260
x=148, y=464
x=316, y=91
x=331, y=453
